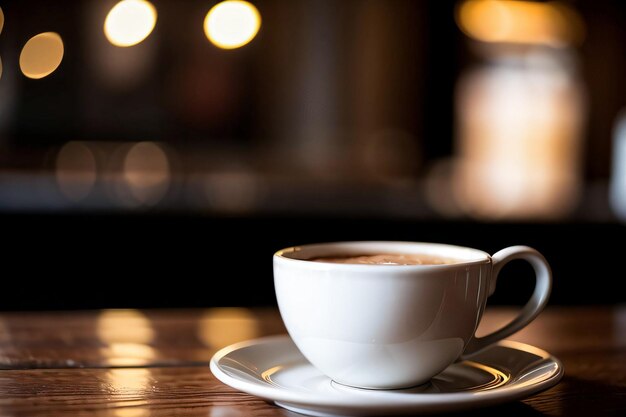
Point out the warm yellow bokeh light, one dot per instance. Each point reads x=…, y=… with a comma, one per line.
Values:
x=1, y=19
x=221, y=327
x=129, y=22
x=124, y=326
x=41, y=55
x=127, y=334
x=523, y=22
x=128, y=354
x=232, y=24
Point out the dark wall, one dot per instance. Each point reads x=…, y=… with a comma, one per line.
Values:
x=96, y=261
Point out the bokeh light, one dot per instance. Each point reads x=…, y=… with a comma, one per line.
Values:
x=128, y=354
x=75, y=170
x=519, y=139
x=124, y=326
x=41, y=55
x=147, y=172
x=232, y=24
x=525, y=22
x=221, y=327
x=130, y=22
x=1, y=19
x=127, y=335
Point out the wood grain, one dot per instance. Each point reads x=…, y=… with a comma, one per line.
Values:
x=123, y=338
x=68, y=363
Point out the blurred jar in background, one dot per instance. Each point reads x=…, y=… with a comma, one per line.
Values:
x=520, y=112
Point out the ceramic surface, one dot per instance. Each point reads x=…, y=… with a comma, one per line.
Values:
x=393, y=326
x=273, y=368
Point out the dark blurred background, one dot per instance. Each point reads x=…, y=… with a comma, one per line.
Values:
x=156, y=154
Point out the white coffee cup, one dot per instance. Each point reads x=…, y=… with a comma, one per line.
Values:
x=394, y=326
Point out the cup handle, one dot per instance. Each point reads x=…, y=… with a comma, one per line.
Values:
x=533, y=307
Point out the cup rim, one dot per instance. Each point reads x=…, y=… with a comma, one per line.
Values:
x=465, y=255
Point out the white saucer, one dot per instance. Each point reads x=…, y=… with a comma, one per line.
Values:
x=274, y=369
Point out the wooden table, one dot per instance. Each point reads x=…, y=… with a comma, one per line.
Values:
x=133, y=363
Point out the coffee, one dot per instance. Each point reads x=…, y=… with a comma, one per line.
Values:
x=388, y=259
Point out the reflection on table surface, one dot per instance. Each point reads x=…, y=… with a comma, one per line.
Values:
x=130, y=363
